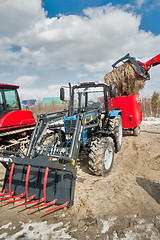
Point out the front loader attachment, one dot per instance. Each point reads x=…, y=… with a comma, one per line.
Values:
x=129, y=77
x=47, y=175
x=38, y=180
x=139, y=69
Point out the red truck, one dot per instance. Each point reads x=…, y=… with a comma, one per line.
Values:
x=130, y=105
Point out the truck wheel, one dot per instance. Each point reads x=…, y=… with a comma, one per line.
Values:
x=115, y=126
x=136, y=131
x=101, y=156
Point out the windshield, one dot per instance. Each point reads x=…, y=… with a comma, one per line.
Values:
x=89, y=98
x=11, y=98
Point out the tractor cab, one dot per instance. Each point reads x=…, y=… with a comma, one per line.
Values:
x=12, y=117
x=88, y=96
x=9, y=99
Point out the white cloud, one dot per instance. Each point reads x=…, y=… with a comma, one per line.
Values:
x=82, y=75
x=16, y=17
x=146, y=5
x=91, y=42
x=140, y=3
x=19, y=15
x=39, y=93
x=4, y=74
x=26, y=80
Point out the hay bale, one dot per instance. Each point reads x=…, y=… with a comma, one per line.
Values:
x=125, y=78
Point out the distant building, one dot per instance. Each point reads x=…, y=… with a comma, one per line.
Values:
x=30, y=102
x=51, y=100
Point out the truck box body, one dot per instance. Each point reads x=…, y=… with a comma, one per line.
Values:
x=130, y=106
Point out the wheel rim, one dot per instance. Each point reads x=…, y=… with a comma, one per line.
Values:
x=108, y=157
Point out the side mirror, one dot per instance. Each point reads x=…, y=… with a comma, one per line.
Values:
x=62, y=95
x=112, y=91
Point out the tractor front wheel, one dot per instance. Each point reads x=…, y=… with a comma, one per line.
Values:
x=115, y=126
x=101, y=156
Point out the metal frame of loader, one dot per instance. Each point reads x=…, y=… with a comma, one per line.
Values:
x=140, y=69
x=47, y=174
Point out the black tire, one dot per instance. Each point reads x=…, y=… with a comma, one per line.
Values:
x=101, y=156
x=115, y=126
x=136, y=131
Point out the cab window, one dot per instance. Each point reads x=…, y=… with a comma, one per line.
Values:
x=11, y=98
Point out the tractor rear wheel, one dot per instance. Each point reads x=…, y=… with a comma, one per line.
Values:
x=101, y=156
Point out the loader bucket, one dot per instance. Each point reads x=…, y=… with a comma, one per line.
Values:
x=40, y=181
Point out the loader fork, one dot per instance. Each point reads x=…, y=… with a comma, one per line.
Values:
x=41, y=179
x=25, y=195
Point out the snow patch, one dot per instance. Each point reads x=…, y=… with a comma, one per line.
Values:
x=39, y=230
x=150, y=121
x=108, y=223
x=6, y=226
x=3, y=236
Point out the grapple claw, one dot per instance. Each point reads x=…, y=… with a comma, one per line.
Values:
x=26, y=199
x=27, y=179
x=11, y=193
x=17, y=196
x=4, y=190
x=17, y=200
x=7, y=194
x=36, y=201
x=44, y=204
x=58, y=207
x=10, y=177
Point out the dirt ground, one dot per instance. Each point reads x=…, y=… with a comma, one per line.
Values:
x=123, y=205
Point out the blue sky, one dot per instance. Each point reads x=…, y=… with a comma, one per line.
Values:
x=148, y=9
x=49, y=43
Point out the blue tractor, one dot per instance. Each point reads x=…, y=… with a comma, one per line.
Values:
x=47, y=173
x=101, y=134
